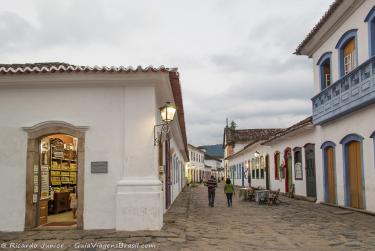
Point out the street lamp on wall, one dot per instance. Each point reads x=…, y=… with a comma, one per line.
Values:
x=167, y=113
x=256, y=154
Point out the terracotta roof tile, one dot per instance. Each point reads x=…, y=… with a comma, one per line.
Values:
x=245, y=135
x=332, y=8
x=177, y=94
x=300, y=124
x=51, y=67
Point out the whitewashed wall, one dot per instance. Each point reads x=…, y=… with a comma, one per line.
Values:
x=104, y=141
x=121, y=120
x=361, y=123
x=177, y=178
x=245, y=156
x=194, y=164
x=297, y=140
x=355, y=21
x=238, y=147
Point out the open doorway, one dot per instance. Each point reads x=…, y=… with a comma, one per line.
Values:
x=55, y=180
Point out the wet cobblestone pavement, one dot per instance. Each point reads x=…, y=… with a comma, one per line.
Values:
x=191, y=225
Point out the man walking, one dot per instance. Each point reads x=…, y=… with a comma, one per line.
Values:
x=211, y=187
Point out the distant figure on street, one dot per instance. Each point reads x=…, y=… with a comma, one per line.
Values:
x=211, y=187
x=229, y=190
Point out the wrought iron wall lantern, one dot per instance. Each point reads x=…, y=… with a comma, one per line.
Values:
x=167, y=113
x=256, y=154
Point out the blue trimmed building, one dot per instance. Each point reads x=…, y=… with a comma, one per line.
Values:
x=342, y=47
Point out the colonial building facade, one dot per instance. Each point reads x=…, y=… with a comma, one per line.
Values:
x=214, y=164
x=328, y=157
x=195, y=168
x=94, y=133
x=342, y=47
x=236, y=144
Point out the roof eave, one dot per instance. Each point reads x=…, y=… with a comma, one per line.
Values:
x=329, y=23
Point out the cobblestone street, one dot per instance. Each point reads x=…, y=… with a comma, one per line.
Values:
x=191, y=225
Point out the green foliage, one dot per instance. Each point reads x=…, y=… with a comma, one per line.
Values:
x=233, y=125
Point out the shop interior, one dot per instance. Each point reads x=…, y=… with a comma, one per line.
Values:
x=55, y=181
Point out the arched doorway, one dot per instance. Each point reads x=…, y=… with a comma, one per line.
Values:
x=288, y=168
x=353, y=171
x=35, y=134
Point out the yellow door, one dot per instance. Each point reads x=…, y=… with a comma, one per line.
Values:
x=355, y=175
x=331, y=175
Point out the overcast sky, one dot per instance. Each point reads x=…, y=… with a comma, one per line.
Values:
x=234, y=57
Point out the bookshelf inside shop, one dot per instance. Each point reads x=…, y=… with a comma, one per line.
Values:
x=60, y=157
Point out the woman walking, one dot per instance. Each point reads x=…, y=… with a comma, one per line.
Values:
x=229, y=190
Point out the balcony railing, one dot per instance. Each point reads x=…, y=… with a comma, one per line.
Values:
x=348, y=94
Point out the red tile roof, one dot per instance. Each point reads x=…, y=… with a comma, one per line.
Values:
x=177, y=94
x=278, y=134
x=246, y=135
x=332, y=8
x=51, y=67
x=254, y=136
x=307, y=121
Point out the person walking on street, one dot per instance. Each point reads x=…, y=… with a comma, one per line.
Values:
x=211, y=187
x=229, y=191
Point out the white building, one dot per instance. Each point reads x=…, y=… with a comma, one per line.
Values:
x=195, y=168
x=214, y=164
x=330, y=156
x=342, y=48
x=246, y=166
x=65, y=127
x=292, y=160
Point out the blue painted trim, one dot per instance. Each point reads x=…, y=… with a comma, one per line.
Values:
x=351, y=137
x=370, y=18
x=327, y=56
x=370, y=15
x=327, y=144
x=345, y=37
x=341, y=43
x=371, y=37
x=373, y=138
x=324, y=57
x=345, y=141
x=324, y=146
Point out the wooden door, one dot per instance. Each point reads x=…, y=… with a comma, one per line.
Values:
x=331, y=175
x=288, y=169
x=43, y=212
x=310, y=172
x=243, y=174
x=355, y=174
x=267, y=173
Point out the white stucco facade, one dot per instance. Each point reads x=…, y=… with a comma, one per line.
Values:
x=247, y=158
x=357, y=124
x=120, y=111
x=335, y=132
x=195, y=168
x=343, y=112
x=298, y=139
x=352, y=21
